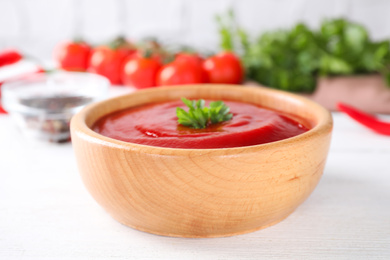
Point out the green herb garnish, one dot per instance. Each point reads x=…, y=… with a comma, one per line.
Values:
x=292, y=59
x=199, y=116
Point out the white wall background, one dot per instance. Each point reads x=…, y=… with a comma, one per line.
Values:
x=36, y=26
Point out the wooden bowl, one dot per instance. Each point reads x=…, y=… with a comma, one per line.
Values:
x=202, y=192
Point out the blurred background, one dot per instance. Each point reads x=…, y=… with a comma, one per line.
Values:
x=36, y=26
x=340, y=54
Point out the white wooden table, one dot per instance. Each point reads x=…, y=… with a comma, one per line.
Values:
x=46, y=213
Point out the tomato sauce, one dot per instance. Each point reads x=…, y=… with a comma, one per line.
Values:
x=156, y=125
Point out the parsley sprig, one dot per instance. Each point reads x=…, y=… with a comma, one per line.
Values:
x=199, y=116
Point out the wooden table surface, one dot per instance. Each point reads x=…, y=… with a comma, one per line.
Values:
x=46, y=213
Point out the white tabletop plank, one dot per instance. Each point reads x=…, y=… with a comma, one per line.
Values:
x=46, y=213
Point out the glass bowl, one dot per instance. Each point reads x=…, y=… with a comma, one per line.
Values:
x=43, y=104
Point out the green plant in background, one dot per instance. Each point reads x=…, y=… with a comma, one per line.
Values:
x=293, y=59
x=347, y=49
x=283, y=59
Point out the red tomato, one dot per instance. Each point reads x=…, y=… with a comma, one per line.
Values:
x=73, y=56
x=189, y=57
x=108, y=62
x=195, y=59
x=224, y=67
x=180, y=72
x=140, y=72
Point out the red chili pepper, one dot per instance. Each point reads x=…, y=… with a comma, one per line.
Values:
x=365, y=119
x=2, y=111
x=9, y=56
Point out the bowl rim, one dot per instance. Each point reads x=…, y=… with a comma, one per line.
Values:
x=324, y=124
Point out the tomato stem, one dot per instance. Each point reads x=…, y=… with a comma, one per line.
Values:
x=117, y=43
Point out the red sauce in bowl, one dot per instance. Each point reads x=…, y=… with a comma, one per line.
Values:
x=156, y=125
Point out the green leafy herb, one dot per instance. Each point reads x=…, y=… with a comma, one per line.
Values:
x=199, y=116
x=347, y=49
x=226, y=30
x=293, y=59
